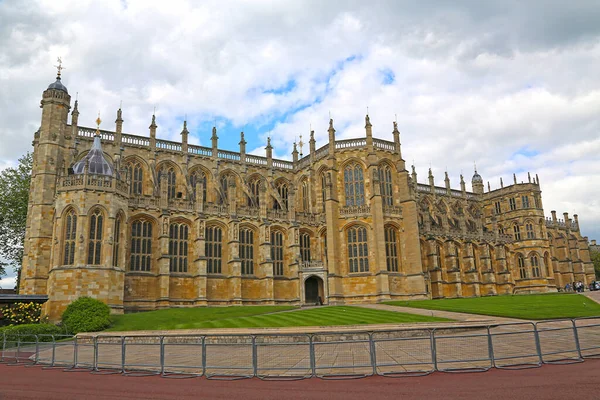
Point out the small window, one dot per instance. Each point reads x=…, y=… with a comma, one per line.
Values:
x=95, y=238
x=517, y=232
x=521, y=266
x=535, y=266
x=525, y=201
x=529, y=231
x=305, y=247
x=498, y=208
x=512, y=204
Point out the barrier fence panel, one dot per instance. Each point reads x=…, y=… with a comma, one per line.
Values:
x=342, y=355
x=10, y=350
x=45, y=350
x=142, y=355
x=109, y=354
x=283, y=356
x=588, y=334
x=558, y=341
x=182, y=356
x=63, y=352
x=462, y=349
x=515, y=345
x=21, y=349
x=404, y=353
x=229, y=357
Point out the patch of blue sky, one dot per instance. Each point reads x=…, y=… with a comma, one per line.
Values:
x=387, y=76
x=525, y=152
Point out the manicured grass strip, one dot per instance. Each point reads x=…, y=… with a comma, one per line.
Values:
x=326, y=316
x=185, y=318
x=534, y=306
x=259, y=317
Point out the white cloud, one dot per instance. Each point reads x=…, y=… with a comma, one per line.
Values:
x=474, y=81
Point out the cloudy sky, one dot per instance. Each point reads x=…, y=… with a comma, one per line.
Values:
x=510, y=85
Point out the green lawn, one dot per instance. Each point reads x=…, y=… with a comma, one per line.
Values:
x=534, y=306
x=259, y=317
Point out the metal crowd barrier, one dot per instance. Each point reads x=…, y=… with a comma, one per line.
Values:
x=327, y=355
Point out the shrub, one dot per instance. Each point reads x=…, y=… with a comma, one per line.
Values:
x=86, y=315
x=27, y=332
x=22, y=313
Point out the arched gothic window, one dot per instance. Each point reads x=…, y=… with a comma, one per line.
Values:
x=277, y=252
x=168, y=173
x=305, y=197
x=391, y=248
x=529, y=230
x=70, y=235
x=254, y=199
x=136, y=176
x=517, y=232
x=224, y=188
x=117, y=241
x=437, y=255
x=535, y=266
x=354, y=185
x=305, y=247
x=213, y=249
x=178, y=247
x=95, y=238
x=323, y=190
x=198, y=177
x=141, y=246
x=358, y=250
x=247, y=251
x=548, y=265
x=282, y=190
x=385, y=183
x=521, y=266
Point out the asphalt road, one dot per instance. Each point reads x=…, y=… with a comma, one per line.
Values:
x=579, y=381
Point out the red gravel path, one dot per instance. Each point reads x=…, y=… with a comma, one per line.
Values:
x=549, y=382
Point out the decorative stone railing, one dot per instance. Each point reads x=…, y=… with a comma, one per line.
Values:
x=442, y=191
x=277, y=214
x=229, y=155
x=310, y=218
x=181, y=204
x=350, y=144
x=457, y=233
x=252, y=159
x=322, y=152
x=199, y=150
x=90, y=133
x=168, y=145
x=246, y=211
x=354, y=211
x=144, y=202
x=312, y=264
x=218, y=209
x=559, y=223
x=133, y=140
x=384, y=145
x=93, y=182
x=283, y=164
x=304, y=162
x=392, y=211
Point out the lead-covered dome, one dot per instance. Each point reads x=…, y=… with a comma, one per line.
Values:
x=97, y=164
x=58, y=85
x=477, y=178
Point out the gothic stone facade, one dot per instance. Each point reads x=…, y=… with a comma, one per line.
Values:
x=184, y=225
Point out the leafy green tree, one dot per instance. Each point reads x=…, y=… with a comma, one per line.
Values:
x=14, y=196
x=595, y=255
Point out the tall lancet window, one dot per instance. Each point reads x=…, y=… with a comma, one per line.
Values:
x=323, y=190
x=178, y=247
x=254, y=199
x=223, y=188
x=358, y=251
x=305, y=196
x=136, y=176
x=95, y=238
x=168, y=173
x=282, y=190
x=141, y=246
x=385, y=182
x=354, y=185
x=277, y=252
x=70, y=236
x=198, y=177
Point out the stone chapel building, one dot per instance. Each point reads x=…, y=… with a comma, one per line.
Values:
x=143, y=223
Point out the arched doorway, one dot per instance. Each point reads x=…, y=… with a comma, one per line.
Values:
x=313, y=290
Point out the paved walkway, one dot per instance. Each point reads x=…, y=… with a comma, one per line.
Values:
x=593, y=295
x=456, y=316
